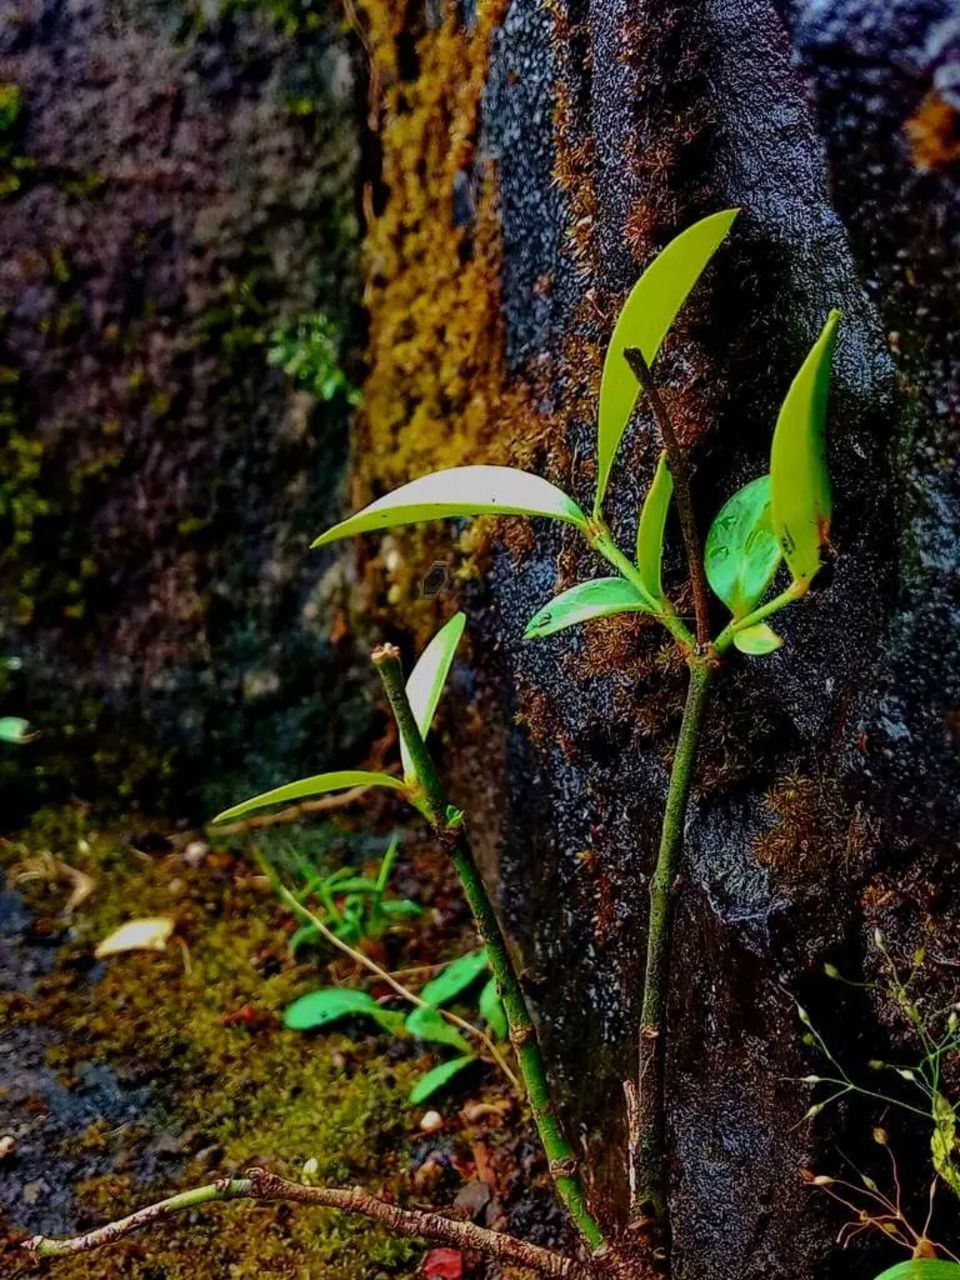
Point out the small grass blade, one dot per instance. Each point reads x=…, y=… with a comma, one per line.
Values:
x=430, y=1025
x=318, y=1009
x=456, y=977
x=438, y=1079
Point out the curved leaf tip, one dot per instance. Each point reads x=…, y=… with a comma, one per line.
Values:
x=649, y=311
x=306, y=788
x=458, y=492
x=800, y=483
x=598, y=598
x=428, y=678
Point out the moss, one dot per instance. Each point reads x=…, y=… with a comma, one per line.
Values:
x=237, y=1091
x=933, y=133
x=815, y=833
x=15, y=166
x=437, y=393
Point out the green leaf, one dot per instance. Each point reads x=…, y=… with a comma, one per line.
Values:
x=455, y=978
x=14, y=730
x=427, y=679
x=492, y=1012
x=647, y=314
x=923, y=1269
x=318, y=785
x=322, y=1008
x=800, y=484
x=353, y=884
x=741, y=553
x=598, y=598
x=401, y=908
x=438, y=1079
x=429, y=1024
x=943, y=1142
x=653, y=519
x=757, y=640
x=306, y=933
x=461, y=491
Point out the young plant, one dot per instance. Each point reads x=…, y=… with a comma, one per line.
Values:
x=353, y=907
x=783, y=516
x=429, y=1021
x=308, y=351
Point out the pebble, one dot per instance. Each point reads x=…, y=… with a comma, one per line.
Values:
x=431, y=1122
x=8, y=1146
x=195, y=852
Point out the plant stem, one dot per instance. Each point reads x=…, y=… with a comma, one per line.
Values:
x=259, y=1185
x=523, y=1033
x=795, y=591
x=681, y=492
x=601, y=541
x=647, y=1139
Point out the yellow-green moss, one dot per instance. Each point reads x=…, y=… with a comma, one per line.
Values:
x=814, y=832
x=437, y=394
x=252, y=1091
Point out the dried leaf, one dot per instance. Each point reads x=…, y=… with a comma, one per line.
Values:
x=152, y=933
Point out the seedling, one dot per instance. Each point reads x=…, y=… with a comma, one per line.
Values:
x=353, y=907
x=781, y=519
x=320, y=1009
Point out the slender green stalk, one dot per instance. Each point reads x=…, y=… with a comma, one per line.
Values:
x=647, y=1138
x=795, y=591
x=448, y=826
x=601, y=541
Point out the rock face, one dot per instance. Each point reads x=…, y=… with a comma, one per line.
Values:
x=179, y=181
x=826, y=787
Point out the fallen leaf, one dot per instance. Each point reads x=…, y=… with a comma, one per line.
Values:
x=149, y=934
x=443, y=1264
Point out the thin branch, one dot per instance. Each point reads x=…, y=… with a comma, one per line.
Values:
x=359, y=958
x=259, y=1185
x=448, y=828
x=681, y=492
x=648, y=1120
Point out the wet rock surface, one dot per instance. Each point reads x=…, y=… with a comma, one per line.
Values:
x=185, y=183
x=822, y=761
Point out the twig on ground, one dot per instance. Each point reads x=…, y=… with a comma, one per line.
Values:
x=259, y=1185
